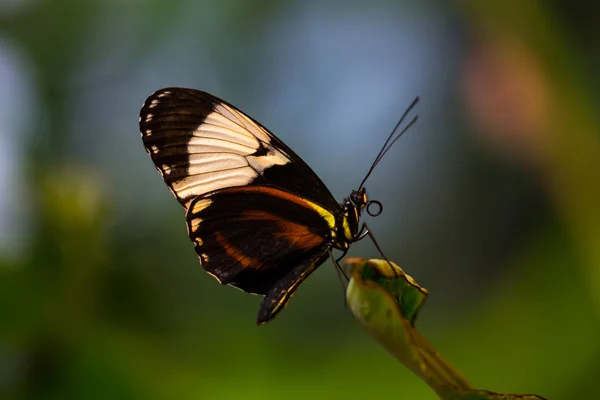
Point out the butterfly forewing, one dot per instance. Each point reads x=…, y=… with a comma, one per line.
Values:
x=200, y=143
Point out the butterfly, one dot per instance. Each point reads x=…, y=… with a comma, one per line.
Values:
x=259, y=218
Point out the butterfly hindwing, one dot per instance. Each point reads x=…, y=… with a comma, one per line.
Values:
x=200, y=143
x=276, y=299
x=260, y=239
x=249, y=237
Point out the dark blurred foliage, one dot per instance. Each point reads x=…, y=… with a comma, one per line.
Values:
x=491, y=200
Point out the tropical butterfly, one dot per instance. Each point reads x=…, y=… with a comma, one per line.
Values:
x=259, y=218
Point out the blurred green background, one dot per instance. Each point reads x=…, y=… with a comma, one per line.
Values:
x=492, y=201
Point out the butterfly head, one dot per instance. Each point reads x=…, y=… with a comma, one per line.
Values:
x=350, y=222
x=353, y=205
x=358, y=199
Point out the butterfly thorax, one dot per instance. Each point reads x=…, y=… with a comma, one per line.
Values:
x=347, y=221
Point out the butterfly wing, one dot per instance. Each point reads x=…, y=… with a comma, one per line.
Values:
x=200, y=143
x=260, y=239
x=259, y=217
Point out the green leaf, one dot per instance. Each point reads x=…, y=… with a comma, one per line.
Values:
x=386, y=301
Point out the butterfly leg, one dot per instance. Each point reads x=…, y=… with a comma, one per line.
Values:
x=340, y=273
x=336, y=263
x=366, y=232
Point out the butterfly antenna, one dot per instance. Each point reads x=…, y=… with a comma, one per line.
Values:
x=411, y=123
x=385, y=147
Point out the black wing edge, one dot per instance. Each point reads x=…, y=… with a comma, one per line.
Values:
x=167, y=120
x=278, y=297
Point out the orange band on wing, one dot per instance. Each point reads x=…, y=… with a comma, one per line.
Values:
x=298, y=235
x=244, y=260
x=282, y=194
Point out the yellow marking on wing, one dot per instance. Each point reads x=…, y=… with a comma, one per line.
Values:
x=166, y=169
x=195, y=224
x=201, y=205
x=326, y=215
